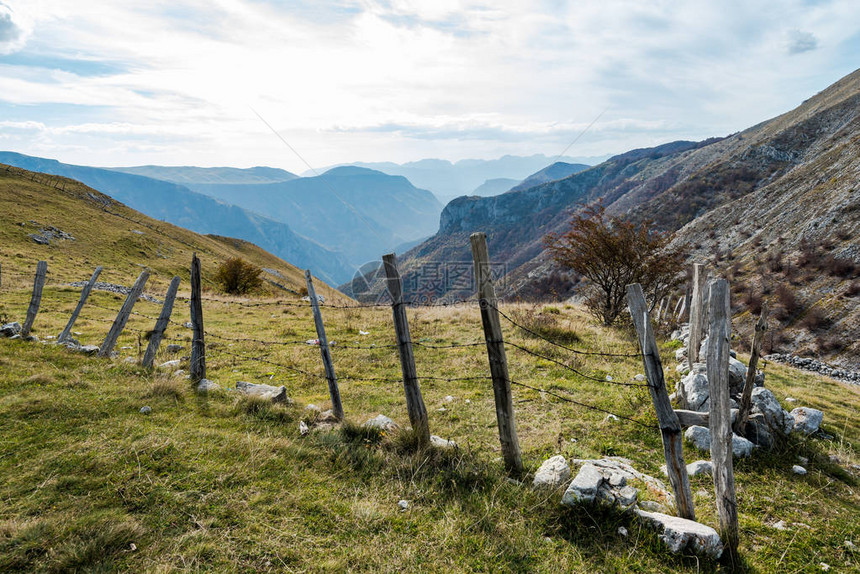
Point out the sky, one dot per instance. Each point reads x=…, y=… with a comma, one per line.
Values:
x=209, y=82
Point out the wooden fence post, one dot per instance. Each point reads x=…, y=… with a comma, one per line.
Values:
x=1, y=275
x=414, y=400
x=123, y=315
x=720, y=420
x=676, y=313
x=197, y=367
x=84, y=296
x=161, y=324
x=328, y=364
x=497, y=357
x=697, y=314
x=746, y=398
x=36, y=299
x=670, y=426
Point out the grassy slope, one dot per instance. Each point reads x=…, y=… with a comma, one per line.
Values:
x=217, y=483
x=102, y=238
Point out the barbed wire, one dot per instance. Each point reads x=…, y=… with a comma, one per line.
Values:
x=557, y=344
x=581, y=404
x=569, y=368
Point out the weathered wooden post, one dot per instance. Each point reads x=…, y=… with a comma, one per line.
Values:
x=719, y=330
x=36, y=299
x=161, y=324
x=670, y=426
x=122, y=317
x=414, y=400
x=749, y=384
x=328, y=364
x=697, y=313
x=84, y=296
x=678, y=306
x=496, y=354
x=197, y=367
x=1, y=275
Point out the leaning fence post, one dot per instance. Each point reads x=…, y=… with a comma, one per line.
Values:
x=84, y=296
x=746, y=397
x=670, y=426
x=328, y=364
x=161, y=324
x=197, y=367
x=123, y=315
x=719, y=330
x=36, y=299
x=496, y=353
x=697, y=313
x=414, y=400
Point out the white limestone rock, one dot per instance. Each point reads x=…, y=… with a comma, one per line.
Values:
x=274, y=394
x=381, y=422
x=679, y=534
x=552, y=473
x=807, y=420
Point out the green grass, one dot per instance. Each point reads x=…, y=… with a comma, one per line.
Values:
x=220, y=482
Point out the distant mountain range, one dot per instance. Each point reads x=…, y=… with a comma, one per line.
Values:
x=449, y=180
x=185, y=175
x=179, y=205
x=361, y=213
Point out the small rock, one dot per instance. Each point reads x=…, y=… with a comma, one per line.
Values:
x=775, y=416
x=449, y=399
x=205, y=386
x=312, y=407
x=622, y=531
x=10, y=329
x=824, y=566
x=303, y=428
x=790, y=400
x=797, y=469
x=403, y=504
x=381, y=422
x=552, y=473
x=129, y=360
x=468, y=402
x=640, y=377
x=700, y=467
x=440, y=442
x=802, y=460
x=174, y=348
x=275, y=394
x=780, y=525
x=850, y=546
x=610, y=418
x=169, y=364
x=807, y=420
x=145, y=410
x=679, y=534
x=652, y=506
x=442, y=410
x=834, y=459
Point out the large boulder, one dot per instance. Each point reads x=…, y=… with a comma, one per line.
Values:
x=584, y=487
x=777, y=419
x=737, y=376
x=694, y=388
x=807, y=420
x=679, y=534
x=552, y=473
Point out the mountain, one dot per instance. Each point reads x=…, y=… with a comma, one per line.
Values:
x=494, y=186
x=360, y=212
x=80, y=228
x=449, y=180
x=197, y=212
x=784, y=189
x=558, y=170
x=185, y=175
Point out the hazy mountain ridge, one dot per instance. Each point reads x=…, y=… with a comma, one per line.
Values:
x=181, y=206
x=340, y=206
x=186, y=175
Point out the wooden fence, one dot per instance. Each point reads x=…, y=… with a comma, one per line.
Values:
x=670, y=421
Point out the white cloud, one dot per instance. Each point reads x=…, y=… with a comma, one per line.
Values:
x=405, y=79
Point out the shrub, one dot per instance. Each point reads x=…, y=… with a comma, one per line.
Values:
x=787, y=300
x=238, y=277
x=815, y=320
x=612, y=253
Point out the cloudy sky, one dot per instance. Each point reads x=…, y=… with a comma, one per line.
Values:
x=181, y=82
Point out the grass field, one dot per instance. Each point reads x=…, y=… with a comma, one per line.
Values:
x=221, y=483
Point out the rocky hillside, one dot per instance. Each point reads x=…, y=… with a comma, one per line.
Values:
x=787, y=185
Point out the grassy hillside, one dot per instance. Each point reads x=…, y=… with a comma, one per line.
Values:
x=221, y=483
x=110, y=234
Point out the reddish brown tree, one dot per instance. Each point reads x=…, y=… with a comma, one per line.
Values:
x=237, y=276
x=611, y=253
